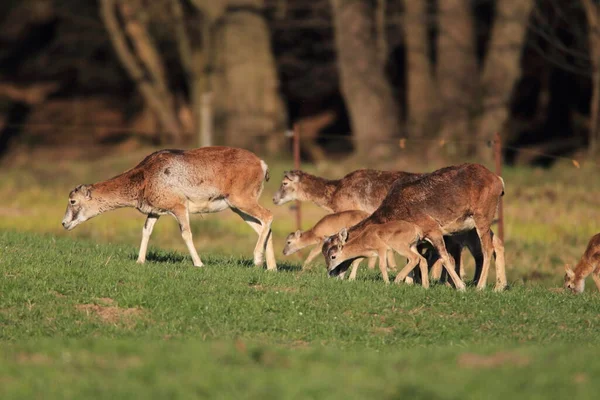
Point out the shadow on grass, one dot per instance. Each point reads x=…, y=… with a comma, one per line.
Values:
x=160, y=257
x=281, y=266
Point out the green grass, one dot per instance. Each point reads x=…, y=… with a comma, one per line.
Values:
x=81, y=320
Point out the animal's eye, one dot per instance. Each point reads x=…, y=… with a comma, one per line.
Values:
x=73, y=202
x=285, y=183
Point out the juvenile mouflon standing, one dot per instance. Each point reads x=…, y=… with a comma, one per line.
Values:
x=588, y=264
x=180, y=183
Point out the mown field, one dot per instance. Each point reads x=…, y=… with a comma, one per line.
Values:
x=80, y=319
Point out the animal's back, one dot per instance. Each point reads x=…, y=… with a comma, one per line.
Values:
x=206, y=177
x=450, y=190
x=216, y=166
x=365, y=189
x=333, y=223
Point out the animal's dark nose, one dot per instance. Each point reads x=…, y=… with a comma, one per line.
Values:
x=64, y=224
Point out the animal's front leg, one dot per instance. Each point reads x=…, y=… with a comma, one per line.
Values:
x=596, y=277
x=383, y=265
x=437, y=241
x=355, y=265
x=312, y=255
x=146, y=232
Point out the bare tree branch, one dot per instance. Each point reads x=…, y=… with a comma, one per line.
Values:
x=151, y=95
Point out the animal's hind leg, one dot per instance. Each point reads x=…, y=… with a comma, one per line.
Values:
x=437, y=241
x=183, y=217
x=501, y=264
x=487, y=248
x=413, y=259
x=146, y=232
x=259, y=219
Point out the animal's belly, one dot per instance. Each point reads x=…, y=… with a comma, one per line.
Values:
x=207, y=206
x=459, y=225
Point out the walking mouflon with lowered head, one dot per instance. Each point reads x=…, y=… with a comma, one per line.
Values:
x=180, y=183
x=470, y=199
x=327, y=226
x=588, y=264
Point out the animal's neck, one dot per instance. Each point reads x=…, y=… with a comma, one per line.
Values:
x=318, y=190
x=582, y=270
x=120, y=191
x=309, y=238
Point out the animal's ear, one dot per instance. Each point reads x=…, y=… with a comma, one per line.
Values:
x=343, y=235
x=297, y=234
x=569, y=271
x=292, y=176
x=85, y=190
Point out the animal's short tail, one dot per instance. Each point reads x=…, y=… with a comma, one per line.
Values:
x=265, y=169
x=502, y=180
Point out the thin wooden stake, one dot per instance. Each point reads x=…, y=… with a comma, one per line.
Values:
x=498, y=159
x=296, y=141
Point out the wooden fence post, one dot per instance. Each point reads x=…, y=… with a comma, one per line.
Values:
x=296, y=142
x=498, y=159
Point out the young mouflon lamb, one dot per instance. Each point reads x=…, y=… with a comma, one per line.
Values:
x=326, y=226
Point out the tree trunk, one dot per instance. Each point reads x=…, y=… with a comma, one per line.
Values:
x=502, y=68
x=248, y=106
x=592, y=12
x=152, y=92
x=421, y=90
x=456, y=68
x=374, y=112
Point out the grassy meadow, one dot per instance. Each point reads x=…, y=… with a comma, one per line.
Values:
x=80, y=319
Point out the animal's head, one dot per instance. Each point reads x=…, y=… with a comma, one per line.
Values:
x=292, y=243
x=80, y=208
x=288, y=190
x=572, y=283
x=333, y=251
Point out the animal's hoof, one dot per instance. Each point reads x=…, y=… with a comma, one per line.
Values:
x=461, y=288
x=409, y=281
x=499, y=288
x=258, y=261
x=140, y=261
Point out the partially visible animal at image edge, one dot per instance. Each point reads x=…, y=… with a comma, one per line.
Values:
x=180, y=183
x=588, y=264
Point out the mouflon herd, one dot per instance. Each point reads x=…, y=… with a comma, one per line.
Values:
x=427, y=218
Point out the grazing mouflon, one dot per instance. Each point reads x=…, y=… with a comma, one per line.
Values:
x=447, y=201
x=327, y=226
x=588, y=264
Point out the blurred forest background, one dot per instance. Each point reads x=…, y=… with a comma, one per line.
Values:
x=356, y=74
